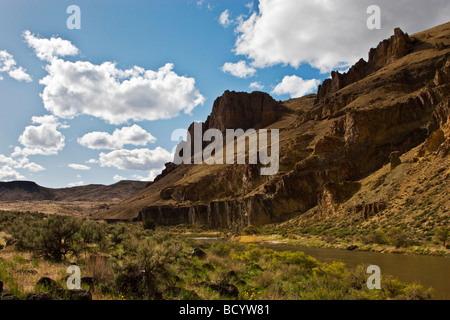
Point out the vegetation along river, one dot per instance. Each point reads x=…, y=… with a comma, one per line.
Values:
x=429, y=271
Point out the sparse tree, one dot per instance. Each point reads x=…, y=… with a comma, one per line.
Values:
x=442, y=234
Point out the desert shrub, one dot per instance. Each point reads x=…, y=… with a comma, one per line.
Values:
x=52, y=238
x=398, y=237
x=220, y=249
x=251, y=255
x=377, y=236
x=98, y=267
x=149, y=271
x=92, y=232
x=392, y=288
x=117, y=233
x=149, y=224
x=442, y=234
x=250, y=230
x=294, y=258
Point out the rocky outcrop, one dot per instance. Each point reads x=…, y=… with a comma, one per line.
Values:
x=334, y=194
x=241, y=110
x=368, y=210
x=387, y=51
x=169, y=167
x=231, y=214
x=395, y=160
x=237, y=110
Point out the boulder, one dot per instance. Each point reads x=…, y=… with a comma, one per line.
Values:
x=224, y=289
x=394, y=158
x=197, y=252
x=48, y=283
x=89, y=281
x=39, y=296
x=76, y=294
x=8, y=296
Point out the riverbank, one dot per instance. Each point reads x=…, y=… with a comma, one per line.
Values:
x=315, y=241
x=426, y=270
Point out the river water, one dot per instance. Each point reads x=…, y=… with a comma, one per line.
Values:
x=428, y=271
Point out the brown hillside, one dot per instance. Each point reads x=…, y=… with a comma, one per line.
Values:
x=397, y=101
x=29, y=196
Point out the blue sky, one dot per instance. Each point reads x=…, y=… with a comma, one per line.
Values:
x=99, y=104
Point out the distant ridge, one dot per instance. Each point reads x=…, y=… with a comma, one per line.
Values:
x=31, y=191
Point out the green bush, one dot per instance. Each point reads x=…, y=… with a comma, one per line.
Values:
x=398, y=237
x=442, y=234
x=250, y=230
x=149, y=224
x=92, y=232
x=377, y=236
x=52, y=238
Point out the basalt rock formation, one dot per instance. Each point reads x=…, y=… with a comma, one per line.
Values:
x=394, y=48
x=329, y=142
x=235, y=110
x=240, y=110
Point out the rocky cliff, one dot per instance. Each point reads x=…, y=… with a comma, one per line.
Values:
x=358, y=122
x=388, y=51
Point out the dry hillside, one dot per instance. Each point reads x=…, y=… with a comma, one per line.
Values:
x=335, y=150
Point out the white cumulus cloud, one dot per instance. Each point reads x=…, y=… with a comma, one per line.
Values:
x=107, y=92
x=76, y=184
x=224, y=19
x=133, y=135
x=137, y=159
x=48, y=49
x=256, y=85
x=327, y=34
x=33, y=167
x=76, y=166
x=8, y=64
x=118, y=178
x=239, y=69
x=44, y=139
x=295, y=86
x=9, y=174
x=114, y=95
x=151, y=175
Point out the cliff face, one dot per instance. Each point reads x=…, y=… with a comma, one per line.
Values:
x=356, y=124
x=242, y=110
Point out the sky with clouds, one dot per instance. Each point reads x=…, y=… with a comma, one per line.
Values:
x=99, y=104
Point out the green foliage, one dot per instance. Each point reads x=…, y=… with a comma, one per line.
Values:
x=250, y=230
x=92, y=232
x=149, y=224
x=130, y=262
x=220, y=249
x=148, y=271
x=442, y=234
x=398, y=237
x=377, y=236
x=51, y=238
